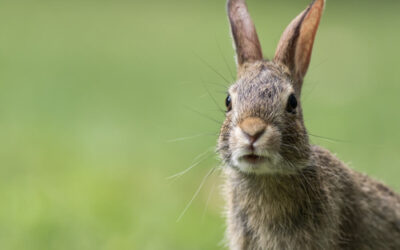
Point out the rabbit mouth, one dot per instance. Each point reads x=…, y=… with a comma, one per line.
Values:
x=257, y=163
x=253, y=159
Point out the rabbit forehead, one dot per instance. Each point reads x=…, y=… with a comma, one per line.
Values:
x=263, y=86
x=263, y=76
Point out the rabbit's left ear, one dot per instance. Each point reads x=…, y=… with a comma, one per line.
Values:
x=295, y=47
x=248, y=48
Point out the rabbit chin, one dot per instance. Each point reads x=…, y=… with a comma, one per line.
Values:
x=260, y=164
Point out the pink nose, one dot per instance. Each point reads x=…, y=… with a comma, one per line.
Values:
x=253, y=128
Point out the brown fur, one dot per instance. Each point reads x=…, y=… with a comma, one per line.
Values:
x=301, y=196
x=244, y=33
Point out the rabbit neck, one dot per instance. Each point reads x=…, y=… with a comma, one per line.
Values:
x=273, y=205
x=276, y=194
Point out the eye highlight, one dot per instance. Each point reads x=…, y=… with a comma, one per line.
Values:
x=291, y=104
x=228, y=103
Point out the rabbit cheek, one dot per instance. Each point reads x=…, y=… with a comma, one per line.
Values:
x=272, y=141
x=223, y=141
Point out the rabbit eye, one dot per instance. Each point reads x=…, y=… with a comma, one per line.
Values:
x=228, y=103
x=291, y=104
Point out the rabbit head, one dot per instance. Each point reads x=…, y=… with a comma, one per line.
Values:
x=263, y=131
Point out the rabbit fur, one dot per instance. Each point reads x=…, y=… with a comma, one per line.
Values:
x=281, y=191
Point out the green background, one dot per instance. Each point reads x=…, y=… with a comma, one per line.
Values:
x=93, y=95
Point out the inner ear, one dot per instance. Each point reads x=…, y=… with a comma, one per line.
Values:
x=295, y=46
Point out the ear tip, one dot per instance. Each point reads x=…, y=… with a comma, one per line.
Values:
x=232, y=4
x=319, y=3
x=317, y=7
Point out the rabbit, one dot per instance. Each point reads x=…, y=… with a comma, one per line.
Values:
x=281, y=191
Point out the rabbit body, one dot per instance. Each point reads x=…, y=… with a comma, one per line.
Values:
x=281, y=191
x=324, y=206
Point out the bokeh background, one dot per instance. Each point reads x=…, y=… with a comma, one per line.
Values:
x=101, y=101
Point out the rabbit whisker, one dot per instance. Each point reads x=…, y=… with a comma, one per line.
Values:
x=329, y=139
x=191, y=137
x=203, y=115
x=213, y=69
x=225, y=61
x=206, y=82
x=212, y=97
x=196, y=193
x=208, y=200
x=196, y=161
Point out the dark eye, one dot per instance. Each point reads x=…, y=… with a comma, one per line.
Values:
x=291, y=104
x=228, y=103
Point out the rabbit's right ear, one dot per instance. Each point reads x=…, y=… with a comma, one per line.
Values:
x=248, y=48
x=295, y=47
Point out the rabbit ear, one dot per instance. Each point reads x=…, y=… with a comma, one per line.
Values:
x=295, y=47
x=248, y=48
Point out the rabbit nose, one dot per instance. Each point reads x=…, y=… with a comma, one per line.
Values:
x=253, y=128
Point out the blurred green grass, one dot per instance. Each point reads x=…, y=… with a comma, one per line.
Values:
x=92, y=92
